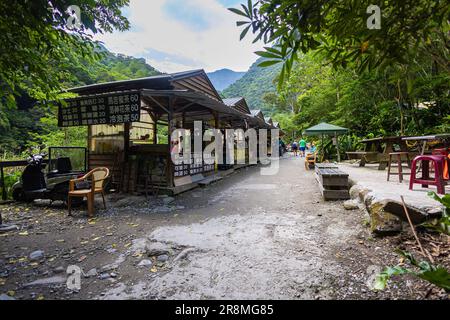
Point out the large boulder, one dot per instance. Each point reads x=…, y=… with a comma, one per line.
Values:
x=417, y=215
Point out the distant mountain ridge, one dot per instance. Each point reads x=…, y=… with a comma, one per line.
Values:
x=254, y=85
x=223, y=78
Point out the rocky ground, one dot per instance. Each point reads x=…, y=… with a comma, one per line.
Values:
x=246, y=237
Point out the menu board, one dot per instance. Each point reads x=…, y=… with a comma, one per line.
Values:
x=114, y=108
x=194, y=168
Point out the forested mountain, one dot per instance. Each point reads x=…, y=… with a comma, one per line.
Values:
x=223, y=78
x=22, y=125
x=255, y=85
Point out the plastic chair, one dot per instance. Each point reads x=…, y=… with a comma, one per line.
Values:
x=425, y=180
x=446, y=153
x=97, y=177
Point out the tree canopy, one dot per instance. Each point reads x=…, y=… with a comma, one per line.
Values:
x=34, y=34
x=339, y=30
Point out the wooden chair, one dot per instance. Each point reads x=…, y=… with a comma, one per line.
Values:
x=97, y=177
x=310, y=160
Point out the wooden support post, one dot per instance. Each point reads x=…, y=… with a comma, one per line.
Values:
x=216, y=120
x=126, y=141
x=126, y=165
x=2, y=180
x=155, y=118
x=216, y=126
x=170, y=130
x=89, y=145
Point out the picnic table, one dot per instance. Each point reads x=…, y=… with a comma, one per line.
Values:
x=378, y=149
x=445, y=138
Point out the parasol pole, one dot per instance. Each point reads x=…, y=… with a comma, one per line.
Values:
x=337, y=147
x=323, y=149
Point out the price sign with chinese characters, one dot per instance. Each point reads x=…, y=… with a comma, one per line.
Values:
x=114, y=108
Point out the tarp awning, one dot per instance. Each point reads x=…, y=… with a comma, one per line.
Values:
x=325, y=128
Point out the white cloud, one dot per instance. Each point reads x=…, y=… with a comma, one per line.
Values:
x=154, y=30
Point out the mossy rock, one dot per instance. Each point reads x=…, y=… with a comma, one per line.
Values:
x=383, y=223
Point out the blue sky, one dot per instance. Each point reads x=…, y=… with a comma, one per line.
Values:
x=177, y=35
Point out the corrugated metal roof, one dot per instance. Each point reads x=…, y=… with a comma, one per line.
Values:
x=232, y=101
x=158, y=82
x=255, y=112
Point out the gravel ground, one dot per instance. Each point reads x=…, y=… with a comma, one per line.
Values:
x=246, y=237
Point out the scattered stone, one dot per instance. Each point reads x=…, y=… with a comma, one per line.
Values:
x=168, y=200
x=350, y=205
x=91, y=273
x=162, y=258
x=8, y=227
x=183, y=254
x=59, y=269
x=161, y=209
x=5, y=297
x=109, y=267
x=46, y=281
x=145, y=263
x=104, y=276
x=358, y=192
x=139, y=245
x=157, y=249
x=36, y=255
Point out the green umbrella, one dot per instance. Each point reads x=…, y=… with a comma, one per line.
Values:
x=327, y=129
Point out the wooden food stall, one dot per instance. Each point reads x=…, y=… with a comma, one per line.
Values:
x=130, y=123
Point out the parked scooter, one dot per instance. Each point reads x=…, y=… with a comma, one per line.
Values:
x=35, y=184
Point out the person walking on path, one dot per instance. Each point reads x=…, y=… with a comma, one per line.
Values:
x=302, y=145
x=294, y=148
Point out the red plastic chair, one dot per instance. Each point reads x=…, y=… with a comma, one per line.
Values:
x=425, y=180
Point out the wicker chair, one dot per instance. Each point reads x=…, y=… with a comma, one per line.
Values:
x=97, y=177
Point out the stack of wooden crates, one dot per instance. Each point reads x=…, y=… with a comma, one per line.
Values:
x=333, y=183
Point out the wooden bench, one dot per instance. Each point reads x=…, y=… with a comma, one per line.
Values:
x=324, y=165
x=333, y=182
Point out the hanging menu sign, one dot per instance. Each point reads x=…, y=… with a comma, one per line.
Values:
x=114, y=108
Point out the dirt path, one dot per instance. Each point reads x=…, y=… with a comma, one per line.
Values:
x=246, y=237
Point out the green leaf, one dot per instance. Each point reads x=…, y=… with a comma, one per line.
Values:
x=250, y=8
x=266, y=54
x=241, y=23
x=273, y=50
x=244, y=32
x=239, y=12
x=268, y=63
x=439, y=277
